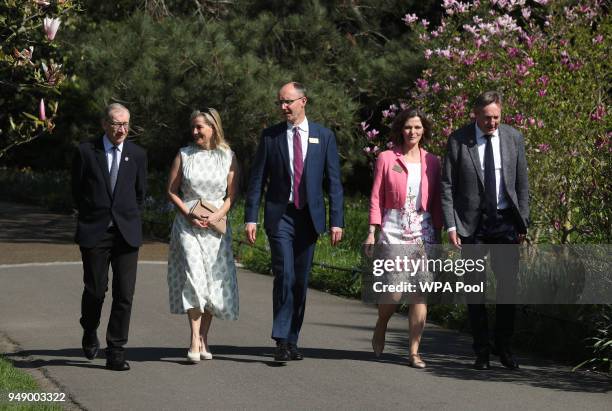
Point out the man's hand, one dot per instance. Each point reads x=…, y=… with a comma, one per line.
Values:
x=454, y=239
x=251, y=232
x=336, y=235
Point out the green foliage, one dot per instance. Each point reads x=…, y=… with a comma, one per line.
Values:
x=30, y=69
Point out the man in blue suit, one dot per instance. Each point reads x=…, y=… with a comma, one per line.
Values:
x=292, y=158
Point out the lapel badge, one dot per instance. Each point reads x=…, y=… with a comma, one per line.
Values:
x=397, y=168
x=313, y=140
x=126, y=159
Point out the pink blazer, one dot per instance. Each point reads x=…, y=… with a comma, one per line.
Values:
x=389, y=187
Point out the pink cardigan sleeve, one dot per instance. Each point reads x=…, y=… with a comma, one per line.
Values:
x=378, y=191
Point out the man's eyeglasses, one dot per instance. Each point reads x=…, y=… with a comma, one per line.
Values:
x=287, y=102
x=117, y=126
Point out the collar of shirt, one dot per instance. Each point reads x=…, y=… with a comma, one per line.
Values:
x=480, y=135
x=303, y=127
x=108, y=146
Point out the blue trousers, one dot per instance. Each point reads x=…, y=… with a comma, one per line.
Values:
x=292, y=247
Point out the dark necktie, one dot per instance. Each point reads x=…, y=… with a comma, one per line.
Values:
x=298, y=168
x=489, y=180
x=114, y=170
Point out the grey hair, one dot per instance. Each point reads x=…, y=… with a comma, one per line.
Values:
x=486, y=98
x=299, y=87
x=114, y=107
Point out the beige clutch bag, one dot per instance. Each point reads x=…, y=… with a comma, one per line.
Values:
x=204, y=209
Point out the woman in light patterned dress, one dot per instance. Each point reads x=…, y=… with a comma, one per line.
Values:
x=405, y=205
x=201, y=270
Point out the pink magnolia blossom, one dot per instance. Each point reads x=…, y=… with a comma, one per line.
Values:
x=51, y=26
x=557, y=225
x=390, y=145
x=541, y=2
x=526, y=13
x=531, y=121
x=366, y=150
x=598, y=39
x=540, y=123
x=436, y=87
x=543, y=81
x=446, y=131
x=41, y=110
x=364, y=126
x=599, y=113
x=372, y=134
x=425, y=23
x=542, y=93
x=428, y=54
x=409, y=19
x=513, y=52
x=544, y=148
x=422, y=84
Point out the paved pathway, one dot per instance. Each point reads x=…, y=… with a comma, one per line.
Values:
x=39, y=308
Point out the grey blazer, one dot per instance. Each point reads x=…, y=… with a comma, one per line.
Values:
x=463, y=180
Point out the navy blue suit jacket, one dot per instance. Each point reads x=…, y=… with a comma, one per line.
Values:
x=271, y=166
x=91, y=192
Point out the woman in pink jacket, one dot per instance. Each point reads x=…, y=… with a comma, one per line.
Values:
x=405, y=206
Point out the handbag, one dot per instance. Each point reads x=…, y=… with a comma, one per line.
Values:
x=203, y=209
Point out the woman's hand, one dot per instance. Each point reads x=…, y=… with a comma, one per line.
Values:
x=213, y=218
x=196, y=221
x=368, y=245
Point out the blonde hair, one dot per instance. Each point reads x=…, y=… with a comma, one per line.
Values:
x=213, y=119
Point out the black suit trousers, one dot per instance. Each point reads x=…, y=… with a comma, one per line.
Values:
x=499, y=239
x=111, y=250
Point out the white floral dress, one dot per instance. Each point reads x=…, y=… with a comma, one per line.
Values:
x=201, y=269
x=409, y=230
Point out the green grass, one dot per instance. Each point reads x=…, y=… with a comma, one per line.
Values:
x=14, y=380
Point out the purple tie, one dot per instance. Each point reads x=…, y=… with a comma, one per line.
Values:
x=298, y=167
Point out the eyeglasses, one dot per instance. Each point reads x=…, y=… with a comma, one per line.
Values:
x=287, y=102
x=117, y=126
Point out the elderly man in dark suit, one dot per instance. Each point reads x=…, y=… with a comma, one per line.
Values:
x=292, y=159
x=485, y=201
x=109, y=177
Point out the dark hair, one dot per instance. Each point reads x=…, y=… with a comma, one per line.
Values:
x=398, y=126
x=486, y=98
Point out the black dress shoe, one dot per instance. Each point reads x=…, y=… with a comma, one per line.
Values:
x=508, y=361
x=482, y=362
x=90, y=345
x=294, y=354
x=115, y=361
x=281, y=353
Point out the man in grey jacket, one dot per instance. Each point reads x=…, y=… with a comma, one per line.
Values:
x=485, y=201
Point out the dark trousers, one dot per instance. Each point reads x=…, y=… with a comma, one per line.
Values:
x=292, y=247
x=123, y=258
x=499, y=239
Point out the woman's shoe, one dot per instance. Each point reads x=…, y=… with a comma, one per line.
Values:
x=415, y=361
x=193, y=357
x=378, y=344
x=204, y=355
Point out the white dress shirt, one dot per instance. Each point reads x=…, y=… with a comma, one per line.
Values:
x=108, y=149
x=303, y=130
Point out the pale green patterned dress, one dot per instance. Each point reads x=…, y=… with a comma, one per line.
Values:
x=201, y=269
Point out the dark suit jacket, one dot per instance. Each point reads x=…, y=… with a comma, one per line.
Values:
x=92, y=196
x=463, y=180
x=271, y=166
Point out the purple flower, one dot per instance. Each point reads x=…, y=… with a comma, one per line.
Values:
x=562, y=198
x=425, y=23
x=526, y=12
x=573, y=153
x=390, y=145
x=518, y=118
x=366, y=150
x=513, y=52
x=598, y=39
x=541, y=93
x=422, y=84
x=557, y=225
x=531, y=121
x=446, y=131
x=428, y=54
x=364, y=125
x=522, y=70
x=436, y=87
x=544, y=148
x=543, y=81
x=540, y=123
x=51, y=26
x=599, y=113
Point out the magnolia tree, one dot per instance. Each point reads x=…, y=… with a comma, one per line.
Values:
x=551, y=62
x=30, y=68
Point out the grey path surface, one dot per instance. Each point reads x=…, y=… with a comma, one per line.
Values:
x=39, y=310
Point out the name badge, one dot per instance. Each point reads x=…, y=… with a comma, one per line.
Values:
x=397, y=168
x=313, y=140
